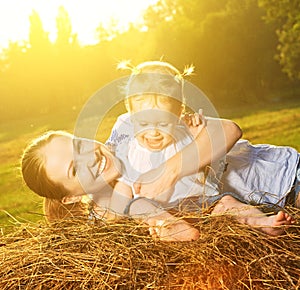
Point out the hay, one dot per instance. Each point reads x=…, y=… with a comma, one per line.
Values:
x=78, y=255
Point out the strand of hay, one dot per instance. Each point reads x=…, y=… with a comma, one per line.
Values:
x=78, y=255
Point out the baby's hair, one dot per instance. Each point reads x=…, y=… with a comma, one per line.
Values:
x=156, y=66
x=156, y=77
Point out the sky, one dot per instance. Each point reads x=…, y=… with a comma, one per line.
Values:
x=85, y=16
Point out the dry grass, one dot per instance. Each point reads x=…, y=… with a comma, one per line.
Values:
x=78, y=255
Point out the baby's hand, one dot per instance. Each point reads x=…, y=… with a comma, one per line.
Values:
x=195, y=122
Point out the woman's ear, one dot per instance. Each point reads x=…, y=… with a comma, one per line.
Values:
x=182, y=108
x=71, y=199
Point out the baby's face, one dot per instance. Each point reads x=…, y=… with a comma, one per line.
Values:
x=149, y=101
x=154, y=129
x=154, y=117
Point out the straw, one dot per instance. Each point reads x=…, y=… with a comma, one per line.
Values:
x=74, y=254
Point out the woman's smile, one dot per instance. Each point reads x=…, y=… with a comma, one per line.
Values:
x=101, y=165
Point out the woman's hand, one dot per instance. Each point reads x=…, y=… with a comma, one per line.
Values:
x=158, y=184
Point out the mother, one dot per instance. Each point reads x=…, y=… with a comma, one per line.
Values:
x=47, y=167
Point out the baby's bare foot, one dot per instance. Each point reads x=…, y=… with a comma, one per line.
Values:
x=276, y=224
x=170, y=231
x=179, y=231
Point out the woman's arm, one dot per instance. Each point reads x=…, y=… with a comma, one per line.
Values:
x=212, y=143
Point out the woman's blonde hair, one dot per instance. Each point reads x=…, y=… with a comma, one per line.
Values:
x=55, y=210
x=33, y=167
x=36, y=178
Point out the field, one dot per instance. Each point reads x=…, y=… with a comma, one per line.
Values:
x=276, y=123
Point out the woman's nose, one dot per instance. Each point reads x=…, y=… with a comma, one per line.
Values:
x=98, y=154
x=95, y=157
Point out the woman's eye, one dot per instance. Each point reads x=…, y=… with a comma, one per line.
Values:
x=73, y=171
x=163, y=124
x=143, y=124
x=138, y=99
x=77, y=145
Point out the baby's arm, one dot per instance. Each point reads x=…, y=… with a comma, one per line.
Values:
x=195, y=122
x=121, y=196
x=162, y=225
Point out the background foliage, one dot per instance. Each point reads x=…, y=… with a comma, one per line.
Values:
x=246, y=54
x=232, y=43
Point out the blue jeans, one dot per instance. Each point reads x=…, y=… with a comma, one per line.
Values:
x=297, y=183
x=294, y=194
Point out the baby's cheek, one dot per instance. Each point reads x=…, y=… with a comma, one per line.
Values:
x=168, y=139
x=167, y=132
x=140, y=138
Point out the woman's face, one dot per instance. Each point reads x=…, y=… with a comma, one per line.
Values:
x=83, y=166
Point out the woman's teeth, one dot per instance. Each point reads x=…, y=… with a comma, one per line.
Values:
x=102, y=165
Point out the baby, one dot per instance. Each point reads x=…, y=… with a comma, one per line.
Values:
x=152, y=132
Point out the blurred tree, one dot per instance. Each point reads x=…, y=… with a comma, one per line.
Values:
x=109, y=31
x=65, y=37
x=132, y=44
x=67, y=64
x=238, y=50
x=24, y=72
x=227, y=40
x=38, y=37
x=37, y=67
x=230, y=45
x=12, y=78
x=286, y=16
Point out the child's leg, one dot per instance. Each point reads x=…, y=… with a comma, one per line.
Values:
x=252, y=216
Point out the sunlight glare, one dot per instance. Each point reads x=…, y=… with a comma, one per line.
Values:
x=85, y=15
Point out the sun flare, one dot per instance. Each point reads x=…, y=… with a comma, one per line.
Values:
x=85, y=15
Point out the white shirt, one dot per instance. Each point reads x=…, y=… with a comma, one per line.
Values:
x=138, y=160
x=260, y=173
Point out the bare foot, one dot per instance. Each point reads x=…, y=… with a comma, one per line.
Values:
x=173, y=230
x=274, y=225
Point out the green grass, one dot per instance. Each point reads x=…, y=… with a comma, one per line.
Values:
x=277, y=124
x=278, y=127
